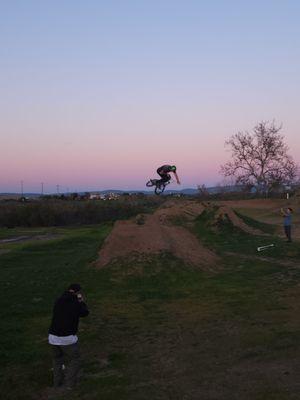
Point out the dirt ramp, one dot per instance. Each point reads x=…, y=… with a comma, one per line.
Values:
x=128, y=238
x=172, y=209
x=184, y=245
x=225, y=213
x=157, y=234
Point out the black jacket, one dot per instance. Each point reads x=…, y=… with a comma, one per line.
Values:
x=66, y=313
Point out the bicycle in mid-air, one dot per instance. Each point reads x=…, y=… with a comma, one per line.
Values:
x=159, y=185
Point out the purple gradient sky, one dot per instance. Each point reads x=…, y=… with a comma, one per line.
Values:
x=97, y=95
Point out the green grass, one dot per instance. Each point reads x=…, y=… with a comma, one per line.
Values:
x=157, y=329
x=228, y=238
x=32, y=275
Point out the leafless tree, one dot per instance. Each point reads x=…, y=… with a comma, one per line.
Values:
x=202, y=190
x=260, y=159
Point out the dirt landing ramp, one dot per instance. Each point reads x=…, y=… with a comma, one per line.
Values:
x=225, y=212
x=155, y=234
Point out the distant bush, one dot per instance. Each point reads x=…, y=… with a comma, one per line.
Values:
x=59, y=213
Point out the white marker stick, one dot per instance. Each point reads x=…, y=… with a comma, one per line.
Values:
x=261, y=248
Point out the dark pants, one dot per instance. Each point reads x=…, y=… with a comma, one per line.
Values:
x=164, y=177
x=288, y=232
x=70, y=357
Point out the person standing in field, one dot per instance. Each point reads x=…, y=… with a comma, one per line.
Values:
x=68, y=308
x=287, y=222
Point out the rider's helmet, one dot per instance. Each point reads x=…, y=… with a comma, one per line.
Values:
x=173, y=168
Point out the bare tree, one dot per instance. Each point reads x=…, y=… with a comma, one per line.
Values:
x=260, y=159
x=202, y=190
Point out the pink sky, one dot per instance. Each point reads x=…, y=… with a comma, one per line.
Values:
x=93, y=161
x=101, y=96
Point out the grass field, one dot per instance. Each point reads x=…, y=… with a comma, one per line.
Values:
x=157, y=329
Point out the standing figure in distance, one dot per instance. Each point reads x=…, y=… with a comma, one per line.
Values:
x=287, y=222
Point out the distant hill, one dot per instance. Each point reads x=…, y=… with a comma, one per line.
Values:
x=186, y=191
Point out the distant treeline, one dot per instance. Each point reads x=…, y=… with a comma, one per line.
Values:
x=60, y=213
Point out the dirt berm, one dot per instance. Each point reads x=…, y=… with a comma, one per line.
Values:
x=225, y=212
x=148, y=235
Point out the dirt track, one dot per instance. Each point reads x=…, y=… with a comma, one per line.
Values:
x=158, y=233
x=227, y=212
x=268, y=211
x=164, y=232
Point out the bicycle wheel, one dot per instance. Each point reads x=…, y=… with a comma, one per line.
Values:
x=150, y=183
x=159, y=189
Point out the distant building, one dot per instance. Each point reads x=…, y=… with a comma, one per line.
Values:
x=111, y=196
x=95, y=196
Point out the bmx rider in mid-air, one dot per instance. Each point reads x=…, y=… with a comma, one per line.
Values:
x=164, y=173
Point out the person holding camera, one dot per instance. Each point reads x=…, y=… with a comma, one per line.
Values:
x=68, y=308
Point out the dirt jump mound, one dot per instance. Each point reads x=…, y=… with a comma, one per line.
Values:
x=225, y=213
x=156, y=234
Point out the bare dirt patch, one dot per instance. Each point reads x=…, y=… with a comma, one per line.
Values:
x=264, y=204
x=226, y=213
x=268, y=211
x=157, y=233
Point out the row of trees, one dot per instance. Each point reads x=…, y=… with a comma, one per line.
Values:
x=57, y=213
